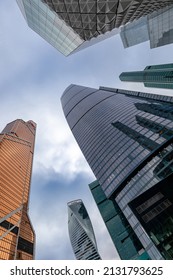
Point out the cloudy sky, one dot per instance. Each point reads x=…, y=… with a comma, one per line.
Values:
x=33, y=76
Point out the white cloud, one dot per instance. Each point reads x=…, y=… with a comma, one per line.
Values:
x=33, y=77
x=52, y=234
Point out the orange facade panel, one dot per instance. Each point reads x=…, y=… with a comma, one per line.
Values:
x=16, y=156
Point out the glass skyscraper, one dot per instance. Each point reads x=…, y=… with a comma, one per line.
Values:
x=127, y=139
x=125, y=240
x=17, y=237
x=157, y=27
x=73, y=25
x=157, y=76
x=135, y=32
x=81, y=232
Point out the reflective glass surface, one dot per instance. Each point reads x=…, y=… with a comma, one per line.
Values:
x=135, y=32
x=50, y=26
x=154, y=210
x=159, y=76
x=126, y=242
x=17, y=236
x=113, y=151
x=157, y=27
x=161, y=27
x=73, y=25
x=126, y=137
x=81, y=232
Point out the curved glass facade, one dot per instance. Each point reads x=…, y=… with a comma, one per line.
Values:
x=81, y=232
x=126, y=137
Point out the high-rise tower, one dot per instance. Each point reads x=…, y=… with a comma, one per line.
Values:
x=155, y=27
x=124, y=238
x=127, y=139
x=73, y=25
x=81, y=232
x=17, y=237
x=157, y=76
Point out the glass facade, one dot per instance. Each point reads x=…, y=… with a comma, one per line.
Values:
x=135, y=32
x=122, y=234
x=17, y=237
x=157, y=27
x=73, y=25
x=50, y=26
x=160, y=25
x=158, y=76
x=154, y=209
x=81, y=232
x=126, y=137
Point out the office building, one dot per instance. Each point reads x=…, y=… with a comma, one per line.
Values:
x=81, y=232
x=17, y=237
x=135, y=32
x=157, y=76
x=126, y=138
x=125, y=240
x=73, y=25
x=156, y=27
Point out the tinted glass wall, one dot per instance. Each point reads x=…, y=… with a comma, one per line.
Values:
x=17, y=236
x=81, y=232
x=126, y=137
x=125, y=240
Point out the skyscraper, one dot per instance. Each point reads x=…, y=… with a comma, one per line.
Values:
x=124, y=238
x=81, y=232
x=127, y=139
x=156, y=27
x=158, y=76
x=135, y=32
x=73, y=25
x=17, y=237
